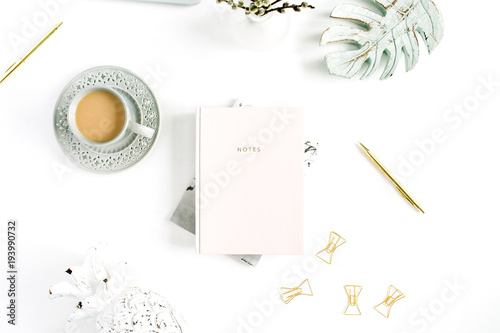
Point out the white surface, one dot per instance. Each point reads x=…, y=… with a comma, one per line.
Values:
x=388, y=242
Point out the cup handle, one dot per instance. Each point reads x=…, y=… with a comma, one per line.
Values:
x=141, y=130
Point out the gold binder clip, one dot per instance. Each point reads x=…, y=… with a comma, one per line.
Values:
x=327, y=253
x=352, y=308
x=393, y=296
x=287, y=294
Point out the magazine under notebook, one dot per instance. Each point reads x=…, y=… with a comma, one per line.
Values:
x=249, y=190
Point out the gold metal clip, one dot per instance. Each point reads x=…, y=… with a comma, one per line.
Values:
x=393, y=295
x=352, y=308
x=288, y=294
x=334, y=242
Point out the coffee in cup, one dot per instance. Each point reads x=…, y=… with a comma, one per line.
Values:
x=100, y=116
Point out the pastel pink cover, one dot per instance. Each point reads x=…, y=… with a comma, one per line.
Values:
x=250, y=203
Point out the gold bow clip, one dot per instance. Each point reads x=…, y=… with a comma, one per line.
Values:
x=352, y=308
x=287, y=294
x=393, y=296
x=327, y=253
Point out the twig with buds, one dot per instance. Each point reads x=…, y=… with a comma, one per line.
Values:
x=263, y=7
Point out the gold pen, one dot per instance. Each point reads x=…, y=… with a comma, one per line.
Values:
x=18, y=63
x=389, y=175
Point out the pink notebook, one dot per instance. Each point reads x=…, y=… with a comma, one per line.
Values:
x=249, y=181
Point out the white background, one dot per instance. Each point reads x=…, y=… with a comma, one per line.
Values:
x=388, y=242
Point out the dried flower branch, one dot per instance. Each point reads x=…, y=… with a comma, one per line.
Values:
x=264, y=7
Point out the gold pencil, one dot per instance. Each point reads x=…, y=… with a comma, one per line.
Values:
x=18, y=63
x=389, y=175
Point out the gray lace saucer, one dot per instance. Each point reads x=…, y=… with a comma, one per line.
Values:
x=132, y=148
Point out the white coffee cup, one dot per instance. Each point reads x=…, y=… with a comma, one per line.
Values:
x=128, y=126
